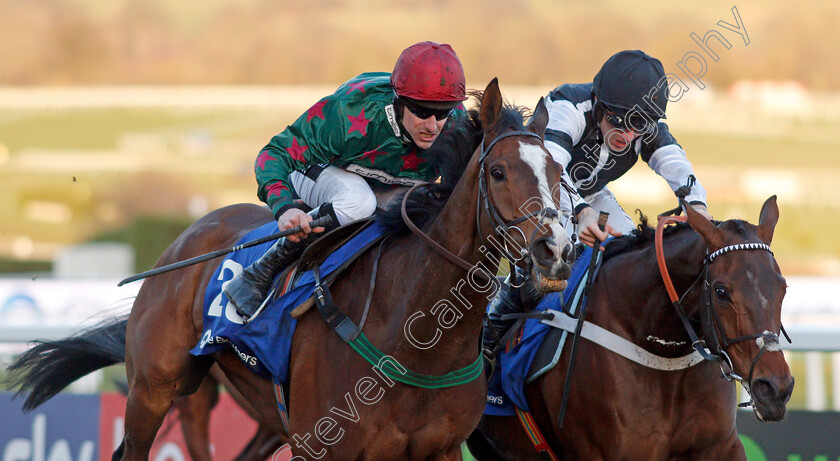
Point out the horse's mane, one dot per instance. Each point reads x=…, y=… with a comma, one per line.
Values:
x=641, y=237
x=450, y=155
x=644, y=235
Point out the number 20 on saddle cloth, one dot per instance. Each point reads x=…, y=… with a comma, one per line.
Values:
x=264, y=344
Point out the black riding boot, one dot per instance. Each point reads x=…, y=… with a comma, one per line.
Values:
x=506, y=302
x=248, y=290
x=509, y=300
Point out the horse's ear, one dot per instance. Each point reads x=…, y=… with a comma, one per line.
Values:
x=539, y=120
x=711, y=234
x=767, y=220
x=491, y=105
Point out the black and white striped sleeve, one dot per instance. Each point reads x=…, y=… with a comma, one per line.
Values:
x=566, y=125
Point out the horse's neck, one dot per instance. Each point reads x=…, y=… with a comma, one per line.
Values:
x=643, y=310
x=442, y=300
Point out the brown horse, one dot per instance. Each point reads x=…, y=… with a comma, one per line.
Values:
x=194, y=417
x=426, y=312
x=619, y=409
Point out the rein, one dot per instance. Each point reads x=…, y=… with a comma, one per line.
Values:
x=711, y=323
x=464, y=375
x=500, y=225
x=450, y=256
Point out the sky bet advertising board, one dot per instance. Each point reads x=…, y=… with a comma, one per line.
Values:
x=74, y=427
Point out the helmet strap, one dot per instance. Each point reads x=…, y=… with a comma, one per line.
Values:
x=398, y=109
x=597, y=115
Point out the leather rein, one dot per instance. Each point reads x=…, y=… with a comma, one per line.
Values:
x=714, y=350
x=500, y=225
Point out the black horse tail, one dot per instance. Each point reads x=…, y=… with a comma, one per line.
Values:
x=50, y=366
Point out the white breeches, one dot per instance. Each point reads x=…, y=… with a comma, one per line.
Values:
x=604, y=200
x=350, y=194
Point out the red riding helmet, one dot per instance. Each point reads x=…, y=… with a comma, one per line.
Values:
x=429, y=71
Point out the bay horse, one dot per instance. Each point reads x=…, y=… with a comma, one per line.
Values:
x=618, y=409
x=497, y=190
x=194, y=412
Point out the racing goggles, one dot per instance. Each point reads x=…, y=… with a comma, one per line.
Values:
x=635, y=122
x=423, y=112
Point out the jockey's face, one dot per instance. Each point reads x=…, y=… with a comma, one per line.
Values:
x=422, y=131
x=617, y=139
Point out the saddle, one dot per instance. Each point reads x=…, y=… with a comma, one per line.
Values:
x=313, y=256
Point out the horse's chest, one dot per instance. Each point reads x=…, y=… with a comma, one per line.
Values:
x=406, y=423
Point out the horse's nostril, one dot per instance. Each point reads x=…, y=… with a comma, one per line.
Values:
x=541, y=251
x=568, y=253
x=764, y=389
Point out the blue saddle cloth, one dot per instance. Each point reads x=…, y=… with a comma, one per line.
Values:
x=264, y=344
x=506, y=387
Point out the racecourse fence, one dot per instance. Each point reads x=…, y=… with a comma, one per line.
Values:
x=53, y=309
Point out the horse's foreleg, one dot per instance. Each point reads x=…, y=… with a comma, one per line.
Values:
x=731, y=449
x=453, y=455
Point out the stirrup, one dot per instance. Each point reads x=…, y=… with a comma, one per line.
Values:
x=489, y=363
x=247, y=319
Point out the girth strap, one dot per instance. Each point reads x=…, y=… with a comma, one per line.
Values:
x=536, y=437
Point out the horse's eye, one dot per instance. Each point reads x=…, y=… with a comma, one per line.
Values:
x=497, y=174
x=721, y=293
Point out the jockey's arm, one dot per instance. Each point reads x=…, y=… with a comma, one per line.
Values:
x=669, y=161
x=587, y=217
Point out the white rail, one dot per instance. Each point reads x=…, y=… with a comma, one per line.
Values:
x=813, y=340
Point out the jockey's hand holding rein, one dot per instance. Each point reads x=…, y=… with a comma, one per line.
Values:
x=588, y=225
x=588, y=228
x=296, y=217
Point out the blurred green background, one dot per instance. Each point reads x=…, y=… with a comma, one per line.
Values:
x=126, y=120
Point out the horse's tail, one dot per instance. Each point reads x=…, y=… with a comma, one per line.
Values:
x=50, y=366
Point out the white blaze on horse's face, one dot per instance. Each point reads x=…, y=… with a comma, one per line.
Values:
x=754, y=286
x=536, y=157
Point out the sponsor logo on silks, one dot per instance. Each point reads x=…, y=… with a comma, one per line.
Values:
x=381, y=176
x=495, y=399
x=391, y=114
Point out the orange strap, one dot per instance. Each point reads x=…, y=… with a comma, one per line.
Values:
x=660, y=253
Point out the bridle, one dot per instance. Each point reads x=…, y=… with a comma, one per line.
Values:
x=500, y=226
x=711, y=347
